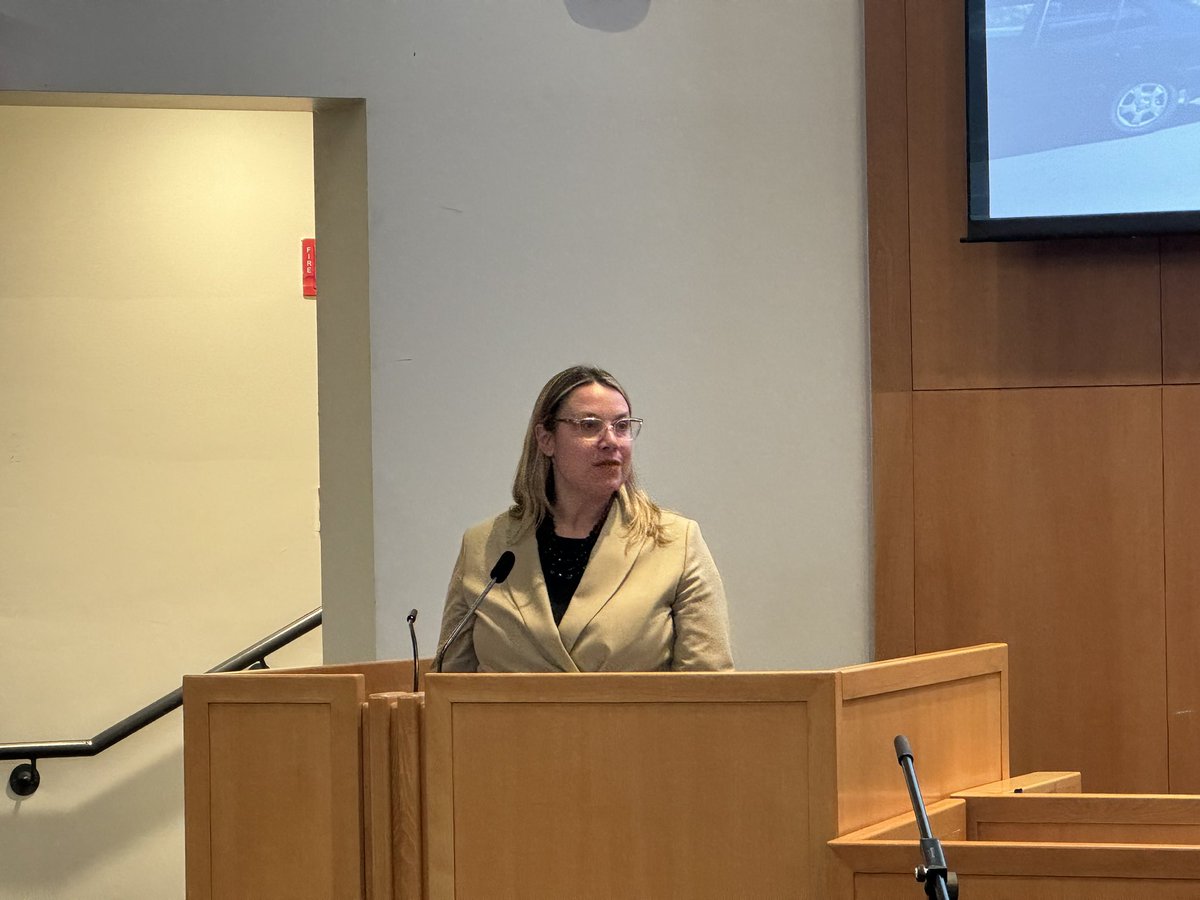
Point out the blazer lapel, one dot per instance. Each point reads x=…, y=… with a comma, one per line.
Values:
x=610, y=562
x=534, y=607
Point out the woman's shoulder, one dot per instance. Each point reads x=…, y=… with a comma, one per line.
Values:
x=501, y=527
x=676, y=526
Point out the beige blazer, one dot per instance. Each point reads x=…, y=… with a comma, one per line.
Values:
x=638, y=609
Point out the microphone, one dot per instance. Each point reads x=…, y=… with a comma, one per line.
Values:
x=499, y=572
x=411, y=618
x=940, y=883
x=503, y=566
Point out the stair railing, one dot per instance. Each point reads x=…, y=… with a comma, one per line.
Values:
x=25, y=778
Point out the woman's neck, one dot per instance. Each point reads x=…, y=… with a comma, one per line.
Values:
x=576, y=517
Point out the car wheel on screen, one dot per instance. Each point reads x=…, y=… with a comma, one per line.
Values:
x=1143, y=106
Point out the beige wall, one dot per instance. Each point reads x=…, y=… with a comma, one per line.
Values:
x=158, y=485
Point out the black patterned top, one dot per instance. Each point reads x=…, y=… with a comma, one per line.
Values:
x=563, y=561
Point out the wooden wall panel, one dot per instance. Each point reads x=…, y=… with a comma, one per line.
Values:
x=887, y=197
x=1181, y=483
x=1039, y=521
x=1181, y=309
x=1007, y=315
x=891, y=336
x=1035, y=517
x=892, y=518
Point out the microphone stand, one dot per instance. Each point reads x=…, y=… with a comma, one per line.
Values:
x=499, y=573
x=437, y=660
x=940, y=883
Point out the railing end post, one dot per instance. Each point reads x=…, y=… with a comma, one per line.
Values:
x=25, y=778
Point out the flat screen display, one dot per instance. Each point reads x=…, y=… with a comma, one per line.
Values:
x=1083, y=117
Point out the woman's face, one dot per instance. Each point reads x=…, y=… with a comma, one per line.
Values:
x=587, y=468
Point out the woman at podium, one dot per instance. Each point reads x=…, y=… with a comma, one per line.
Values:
x=604, y=580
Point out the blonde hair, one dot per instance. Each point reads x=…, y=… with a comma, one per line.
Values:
x=533, y=486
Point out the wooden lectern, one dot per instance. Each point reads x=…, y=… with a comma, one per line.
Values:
x=336, y=783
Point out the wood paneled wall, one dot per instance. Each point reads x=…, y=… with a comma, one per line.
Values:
x=1036, y=440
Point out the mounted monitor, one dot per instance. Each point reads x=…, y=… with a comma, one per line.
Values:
x=1083, y=118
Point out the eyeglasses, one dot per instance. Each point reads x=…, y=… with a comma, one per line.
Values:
x=590, y=428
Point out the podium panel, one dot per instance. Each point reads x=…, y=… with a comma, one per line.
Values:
x=635, y=785
x=983, y=887
x=271, y=808
x=1036, y=847
x=953, y=707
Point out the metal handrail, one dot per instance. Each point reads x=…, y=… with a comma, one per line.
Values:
x=24, y=779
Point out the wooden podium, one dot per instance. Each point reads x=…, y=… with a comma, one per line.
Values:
x=335, y=783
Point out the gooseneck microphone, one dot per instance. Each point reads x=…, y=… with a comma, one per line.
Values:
x=499, y=572
x=411, y=618
x=940, y=883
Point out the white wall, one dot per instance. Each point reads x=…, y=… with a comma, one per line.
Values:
x=681, y=202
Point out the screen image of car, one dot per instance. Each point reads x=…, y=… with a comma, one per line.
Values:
x=1074, y=71
x=1083, y=117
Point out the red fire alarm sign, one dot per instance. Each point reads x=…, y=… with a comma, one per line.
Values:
x=309, y=252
